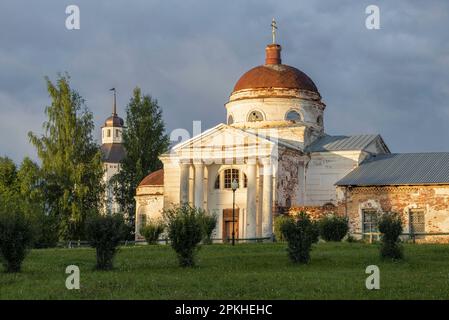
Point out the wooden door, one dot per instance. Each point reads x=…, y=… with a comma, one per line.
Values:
x=228, y=223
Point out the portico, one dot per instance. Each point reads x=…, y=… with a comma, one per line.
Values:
x=210, y=178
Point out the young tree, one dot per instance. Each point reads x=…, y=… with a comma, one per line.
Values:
x=144, y=139
x=8, y=176
x=71, y=160
x=30, y=186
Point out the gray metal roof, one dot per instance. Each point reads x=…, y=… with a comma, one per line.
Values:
x=400, y=169
x=341, y=143
x=113, y=152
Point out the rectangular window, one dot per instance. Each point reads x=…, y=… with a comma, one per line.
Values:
x=109, y=133
x=369, y=221
x=417, y=221
x=229, y=176
x=116, y=133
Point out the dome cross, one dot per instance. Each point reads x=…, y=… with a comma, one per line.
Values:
x=273, y=30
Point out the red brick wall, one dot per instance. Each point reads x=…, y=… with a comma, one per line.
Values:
x=434, y=200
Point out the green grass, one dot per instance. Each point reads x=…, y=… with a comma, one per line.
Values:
x=247, y=271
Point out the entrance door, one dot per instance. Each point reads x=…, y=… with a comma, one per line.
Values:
x=228, y=223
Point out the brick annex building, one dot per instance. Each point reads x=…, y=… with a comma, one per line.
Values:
x=275, y=146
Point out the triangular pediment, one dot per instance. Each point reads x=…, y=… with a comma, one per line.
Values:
x=223, y=141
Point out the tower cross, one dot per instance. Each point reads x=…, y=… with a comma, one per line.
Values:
x=273, y=30
x=114, y=106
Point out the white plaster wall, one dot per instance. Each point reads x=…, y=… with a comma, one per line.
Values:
x=323, y=170
x=275, y=109
x=219, y=199
x=114, y=138
x=171, y=182
x=150, y=205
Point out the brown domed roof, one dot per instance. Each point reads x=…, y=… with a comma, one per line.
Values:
x=155, y=178
x=114, y=121
x=275, y=75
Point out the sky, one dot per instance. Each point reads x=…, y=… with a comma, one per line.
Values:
x=188, y=54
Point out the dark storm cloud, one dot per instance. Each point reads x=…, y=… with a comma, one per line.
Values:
x=189, y=54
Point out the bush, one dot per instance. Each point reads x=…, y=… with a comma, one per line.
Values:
x=300, y=233
x=104, y=233
x=208, y=224
x=390, y=225
x=152, y=230
x=16, y=237
x=333, y=228
x=185, y=231
x=279, y=221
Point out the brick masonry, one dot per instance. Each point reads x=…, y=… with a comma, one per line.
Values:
x=434, y=200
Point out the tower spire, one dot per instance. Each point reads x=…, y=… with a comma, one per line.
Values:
x=114, y=106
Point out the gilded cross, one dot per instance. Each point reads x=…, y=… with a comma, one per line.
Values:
x=273, y=30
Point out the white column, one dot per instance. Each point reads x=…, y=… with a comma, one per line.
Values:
x=251, y=208
x=199, y=182
x=267, y=201
x=184, y=184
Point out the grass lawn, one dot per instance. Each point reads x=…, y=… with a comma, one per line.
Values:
x=247, y=271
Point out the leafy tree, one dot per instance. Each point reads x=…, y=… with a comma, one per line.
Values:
x=104, y=233
x=16, y=234
x=30, y=185
x=185, y=231
x=71, y=160
x=144, y=139
x=300, y=234
x=8, y=176
x=390, y=225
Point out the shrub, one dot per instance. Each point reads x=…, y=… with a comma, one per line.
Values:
x=152, y=230
x=333, y=228
x=208, y=224
x=104, y=233
x=279, y=221
x=184, y=228
x=16, y=237
x=300, y=233
x=390, y=225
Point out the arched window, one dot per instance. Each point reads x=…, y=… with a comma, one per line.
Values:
x=319, y=120
x=229, y=176
x=293, y=116
x=230, y=120
x=217, y=182
x=255, y=116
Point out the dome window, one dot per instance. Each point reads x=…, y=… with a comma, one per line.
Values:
x=293, y=116
x=255, y=116
x=230, y=120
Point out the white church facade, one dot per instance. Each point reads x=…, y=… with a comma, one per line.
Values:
x=273, y=143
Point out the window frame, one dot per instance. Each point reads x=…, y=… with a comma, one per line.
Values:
x=255, y=112
x=372, y=213
x=421, y=213
x=298, y=119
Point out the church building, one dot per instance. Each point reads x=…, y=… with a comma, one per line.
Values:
x=274, y=145
x=113, y=153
